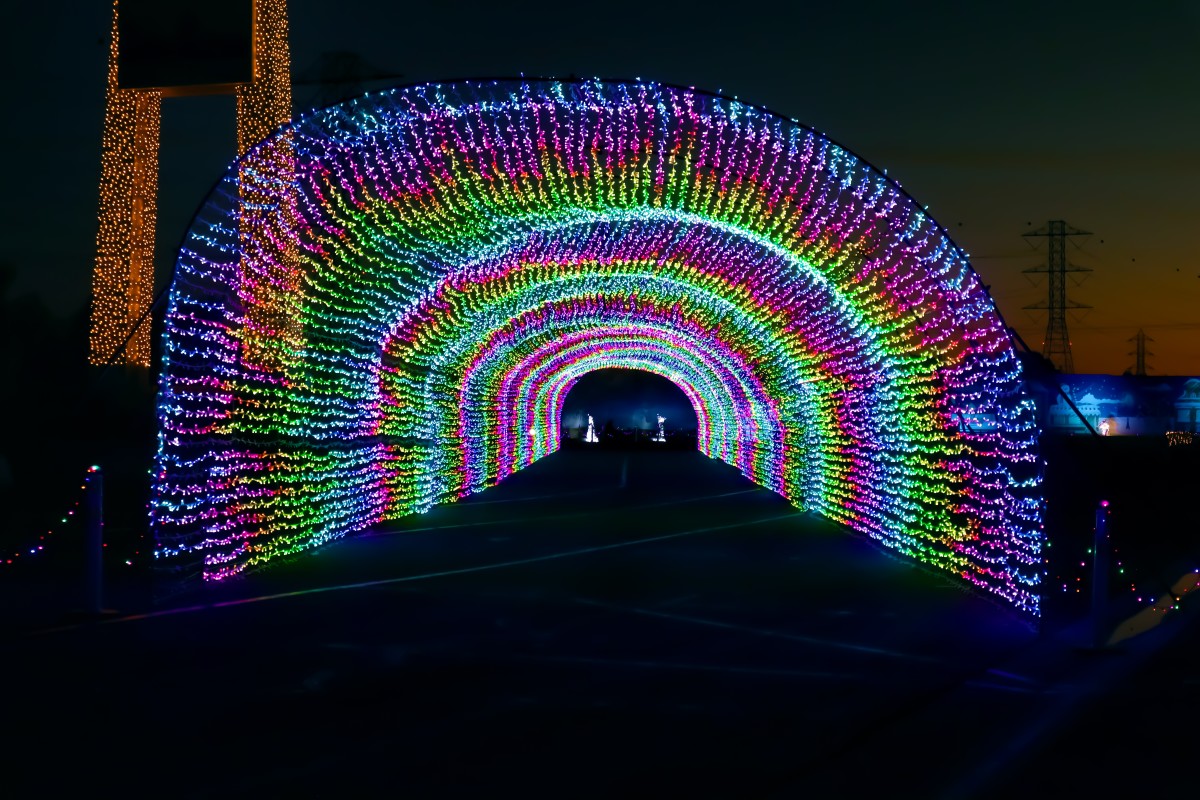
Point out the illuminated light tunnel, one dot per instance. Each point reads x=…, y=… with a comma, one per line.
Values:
x=384, y=305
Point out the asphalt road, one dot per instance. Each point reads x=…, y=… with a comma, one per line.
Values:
x=688, y=634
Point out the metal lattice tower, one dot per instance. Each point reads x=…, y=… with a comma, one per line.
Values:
x=1057, y=344
x=1139, y=353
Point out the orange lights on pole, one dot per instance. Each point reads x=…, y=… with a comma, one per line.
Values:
x=123, y=276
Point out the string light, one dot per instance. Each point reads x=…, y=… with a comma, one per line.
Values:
x=1080, y=574
x=38, y=548
x=389, y=315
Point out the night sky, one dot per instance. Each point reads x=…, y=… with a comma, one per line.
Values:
x=996, y=116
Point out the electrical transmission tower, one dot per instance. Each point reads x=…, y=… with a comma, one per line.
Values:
x=1057, y=344
x=1139, y=367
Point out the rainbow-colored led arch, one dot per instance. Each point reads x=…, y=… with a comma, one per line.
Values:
x=384, y=306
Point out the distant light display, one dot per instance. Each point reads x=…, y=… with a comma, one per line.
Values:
x=436, y=266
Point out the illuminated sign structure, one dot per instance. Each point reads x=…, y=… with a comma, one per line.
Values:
x=162, y=50
x=395, y=319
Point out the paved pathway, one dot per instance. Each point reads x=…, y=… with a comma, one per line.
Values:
x=557, y=636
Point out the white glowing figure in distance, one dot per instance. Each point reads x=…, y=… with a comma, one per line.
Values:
x=661, y=436
x=591, y=431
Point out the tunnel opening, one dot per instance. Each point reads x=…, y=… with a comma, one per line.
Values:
x=627, y=409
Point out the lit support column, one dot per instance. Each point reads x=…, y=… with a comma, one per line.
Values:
x=266, y=103
x=266, y=179
x=123, y=276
